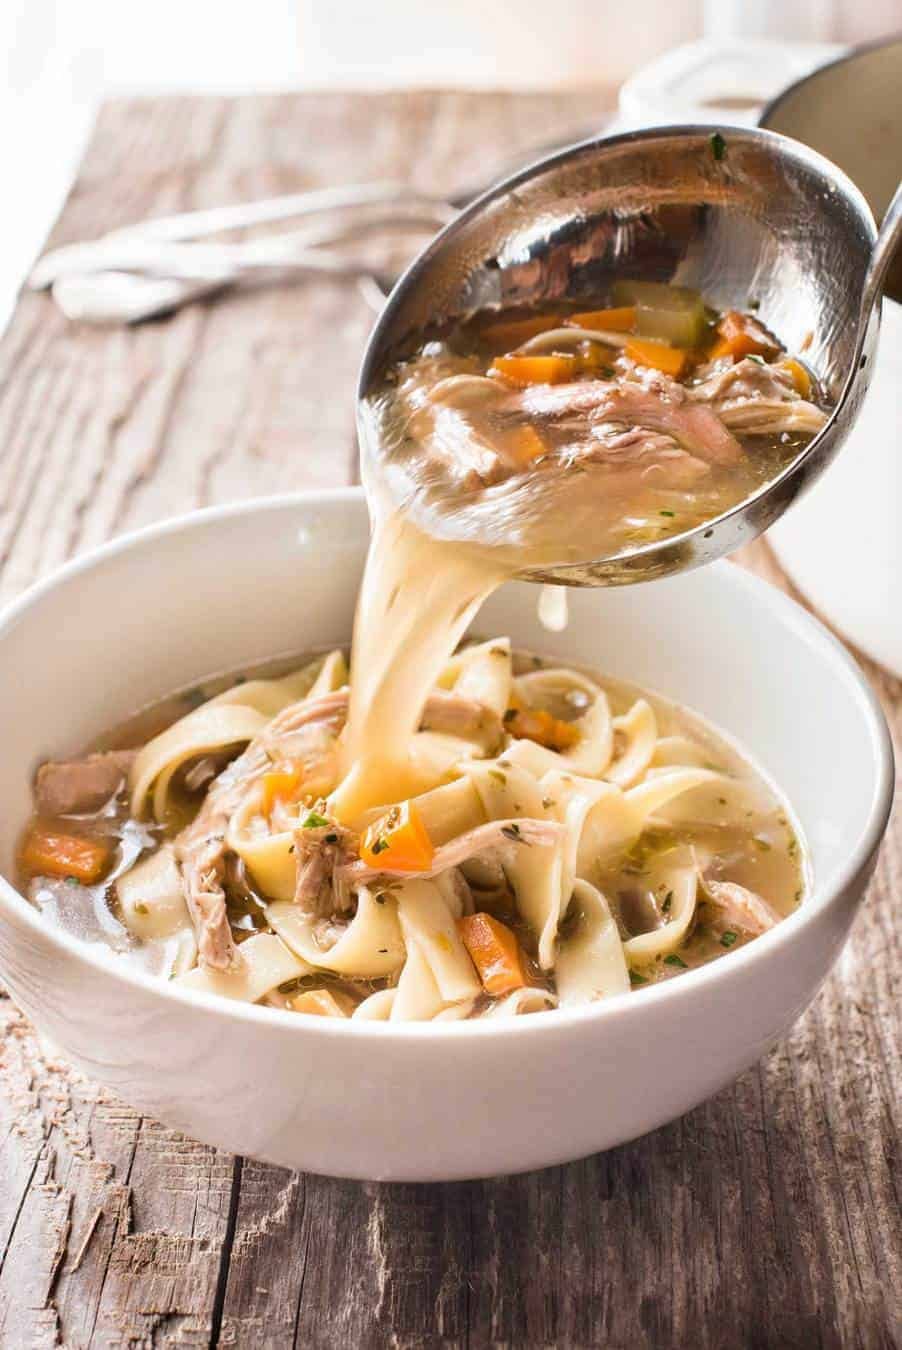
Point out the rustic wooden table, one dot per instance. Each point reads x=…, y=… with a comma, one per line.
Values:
x=767, y=1217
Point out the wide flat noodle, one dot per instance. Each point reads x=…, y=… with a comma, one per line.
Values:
x=369, y=947
x=639, y=730
x=682, y=884
x=591, y=964
x=427, y=919
x=592, y=752
x=265, y=963
x=151, y=896
x=227, y=720
x=535, y=873
x=269, y=857
x=481, y=673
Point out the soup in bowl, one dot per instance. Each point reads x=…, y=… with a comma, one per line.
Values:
x=410, y=1098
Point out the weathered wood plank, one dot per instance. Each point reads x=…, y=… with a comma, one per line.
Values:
x=767, y=1217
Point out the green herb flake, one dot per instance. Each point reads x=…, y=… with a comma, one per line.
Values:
x=671, y=514
x=668, y=901
x=674, y=960
x=74, y=881
x=379, y=845
x=718, y=146
x=636, y=978
x=330, y=838
x=758, y=360
x=314, y=821
x=728, y=938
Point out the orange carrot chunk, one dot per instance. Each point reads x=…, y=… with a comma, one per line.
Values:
x=742, y=335
x=621, y=319
x=511, y=332
x=800, y=377
x=535, y=724
x=523, y=445
x=280, y=785
x=47, y=853
x=656, y=355
x=319, y=1002
x=523, y=370
x=495, y=953
x=398, y=842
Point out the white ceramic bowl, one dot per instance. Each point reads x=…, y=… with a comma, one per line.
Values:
x=228, y=587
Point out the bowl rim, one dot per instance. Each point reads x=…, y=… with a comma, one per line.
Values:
x=703, y=977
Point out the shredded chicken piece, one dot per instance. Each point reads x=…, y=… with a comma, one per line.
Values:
x=651, y=401
x=448, y=712
x=201, y=849
x=756, y=399
x=742, y=907
x=321, y=852
x=81, y=785
x=501, y=836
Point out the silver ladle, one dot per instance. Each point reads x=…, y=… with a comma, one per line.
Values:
x=745, y=215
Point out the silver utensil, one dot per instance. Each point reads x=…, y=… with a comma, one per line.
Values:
x=134, y=273
x=744, y=215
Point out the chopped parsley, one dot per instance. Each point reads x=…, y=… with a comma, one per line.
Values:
x=672, y=514
x=636, y=978
x=718, y=145
x=314, y=821
x=758, y=360
x=330, y=838
x=73, y=881
x=379, y=845
x=728, y=938
x=674, y=960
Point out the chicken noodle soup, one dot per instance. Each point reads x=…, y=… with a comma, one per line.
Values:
x=455, y=831
x=567, y=838
x=568, y=436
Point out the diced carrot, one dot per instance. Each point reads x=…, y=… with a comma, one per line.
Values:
x=535, y=369
x=535, y=724
x=495, y=953
x=509, y=333
x=319, y=1002
x=621, y=319
x=523, y=445
x=741, y=335
x=47, y=853
x=656, y=355
x=800, y=377
x=399, y=841
x=280, y=785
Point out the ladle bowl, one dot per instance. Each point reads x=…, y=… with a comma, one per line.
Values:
x=746, y=216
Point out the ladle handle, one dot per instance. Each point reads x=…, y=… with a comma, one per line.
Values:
x=885, y=247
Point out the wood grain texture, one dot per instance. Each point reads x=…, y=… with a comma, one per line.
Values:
x=768, y=1217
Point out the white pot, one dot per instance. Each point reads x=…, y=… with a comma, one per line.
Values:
x=231, y=586
x=842, y=543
